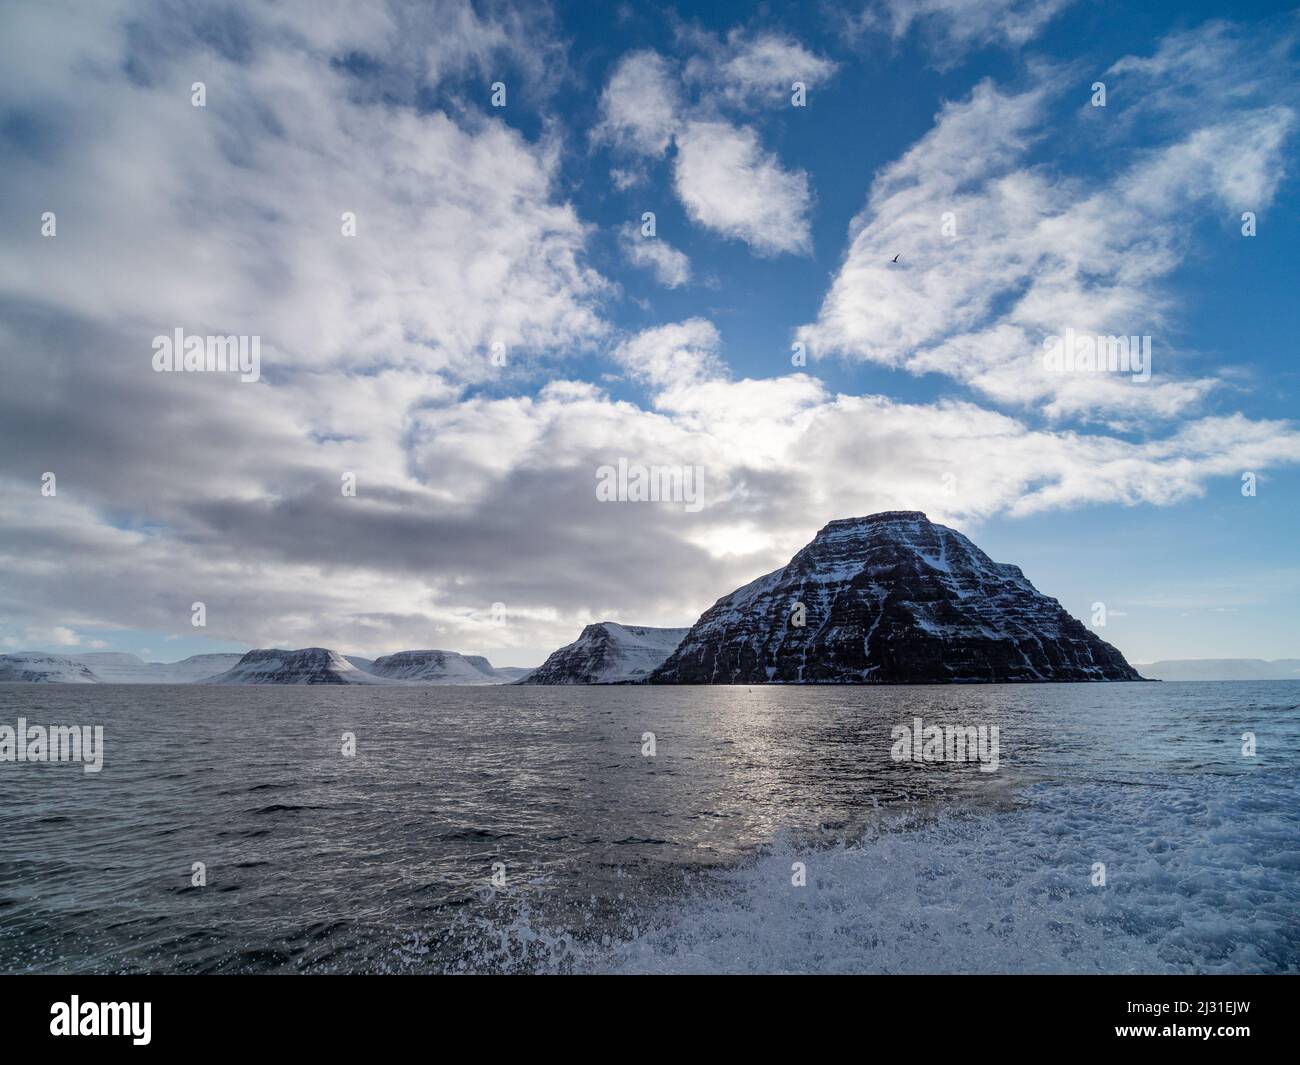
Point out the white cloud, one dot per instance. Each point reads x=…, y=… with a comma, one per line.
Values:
x=672, y=268
x=53, y=636
x=639, y=106
x=465, y=502
x=176, y=488
x=1034, y=253
x=729, y=184
x=673, y=357
x=1216, y=61
x=725, y=179
x=227, y=219
x=749, y=68
x=961, y=24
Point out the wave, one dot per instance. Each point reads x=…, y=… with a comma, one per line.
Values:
x=1202, y=874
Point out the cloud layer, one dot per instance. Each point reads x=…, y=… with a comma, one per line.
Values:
x=440, y=355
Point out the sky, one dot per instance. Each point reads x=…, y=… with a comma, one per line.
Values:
x=435, y=219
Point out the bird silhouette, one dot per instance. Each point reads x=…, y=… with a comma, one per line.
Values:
x=894, y=259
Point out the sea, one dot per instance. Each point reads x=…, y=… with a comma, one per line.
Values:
x=1126, y=828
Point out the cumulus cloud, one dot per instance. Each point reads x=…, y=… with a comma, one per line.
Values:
x=726, y=180
x=729, y=184
x=639, y=105
x=672, y=268
x=673, y=357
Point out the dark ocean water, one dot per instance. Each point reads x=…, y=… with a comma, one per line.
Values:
x=684, y=861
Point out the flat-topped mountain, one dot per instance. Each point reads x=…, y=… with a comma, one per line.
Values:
x=108, y=667
x=437, y=667
x=310, y=665
x=36, y=667
x=320, y=665
x=608, y=653
x=891, y=598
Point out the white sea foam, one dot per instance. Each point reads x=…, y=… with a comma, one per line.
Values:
x=1202, y=876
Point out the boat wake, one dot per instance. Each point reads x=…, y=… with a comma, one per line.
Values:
x=1201, y=874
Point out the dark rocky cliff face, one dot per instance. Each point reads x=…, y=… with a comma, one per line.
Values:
x=890, y=599
x=608, y=653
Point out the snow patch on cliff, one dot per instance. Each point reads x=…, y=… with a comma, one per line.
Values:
x=609, y=653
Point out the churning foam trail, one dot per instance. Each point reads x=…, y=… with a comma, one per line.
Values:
x=1203, y=874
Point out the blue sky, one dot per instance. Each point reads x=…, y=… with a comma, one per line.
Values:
x=516, y=224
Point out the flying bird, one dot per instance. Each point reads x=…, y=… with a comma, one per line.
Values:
x=894, y=259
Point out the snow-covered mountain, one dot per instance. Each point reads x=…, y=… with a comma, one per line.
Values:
x=437, y=667
x=309, y=665
x=117, y=667
x=608, y=653
x=1222, y=669
x=37, y=667
x=890, y=599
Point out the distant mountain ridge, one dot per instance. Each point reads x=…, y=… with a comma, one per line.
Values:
x=1222, y=669
x=116, y=667
x=307, y=665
